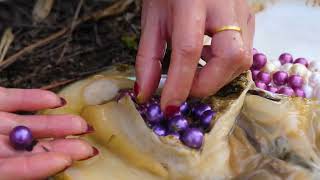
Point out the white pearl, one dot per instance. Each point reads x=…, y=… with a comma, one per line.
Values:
x=286, y=67
x=316, y=91
x=315, y=66
x=314, y=79
x=277, y=63
x=308, y=90
x=269, y=67
x=298, y=69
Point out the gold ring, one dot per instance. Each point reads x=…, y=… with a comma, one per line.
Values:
x=228, y=28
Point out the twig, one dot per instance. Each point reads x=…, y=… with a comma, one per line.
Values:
x=66, y=43
x=5, y=43
x=114, y=9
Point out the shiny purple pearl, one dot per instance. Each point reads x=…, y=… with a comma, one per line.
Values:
x=184, y=108
x=159, y=130
x=300, y=92
x=21, y=138
x=254, y=51
x=193, y=138
x=280, y=78
x=206, y=118
x=177, y=124
x=285, y=58
x=272, y=89
x=199, y=108
x=286, y=91
x=302, y=61
x=259, y=61
x=260, y=85
x=254, y=73
x=264, y=77
x=154, y=114
x=295, y=81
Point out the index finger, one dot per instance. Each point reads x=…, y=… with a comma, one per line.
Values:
x=187, y=38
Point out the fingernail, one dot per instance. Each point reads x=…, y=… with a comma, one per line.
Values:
x=95, y=152
x=89, y=129
x=171, y=110
x=136, y=89
x=62, y=103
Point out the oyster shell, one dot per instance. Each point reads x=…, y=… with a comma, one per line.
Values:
x=120, y=129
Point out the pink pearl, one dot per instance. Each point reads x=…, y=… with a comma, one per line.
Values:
x=295, y=81
x=299, y=92
x=280, y=78
x=264, y=77
x=259, y=61
x=261, y=85
x=285, y=58
x=254, y=51
x=272, y=89
x=254, y=73
x=286, y=91
x=302, y=61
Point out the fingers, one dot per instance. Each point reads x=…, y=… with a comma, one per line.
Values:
x=77, y=149
x=187, y=37
x=228, y=55
x=27, y=99
x=150, y=53
x=38, y=166
x=45, y=126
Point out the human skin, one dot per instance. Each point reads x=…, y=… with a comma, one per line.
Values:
x=183, y=24
x=48, y=157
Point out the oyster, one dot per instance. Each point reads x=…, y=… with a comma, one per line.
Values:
x=121, y=131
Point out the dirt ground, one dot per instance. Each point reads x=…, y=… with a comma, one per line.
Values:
x=86, y=48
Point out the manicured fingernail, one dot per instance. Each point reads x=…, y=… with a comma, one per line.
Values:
x=95, y=152
x=89, y=129
x=62, y=103
x=171, y=110
x=136, y=89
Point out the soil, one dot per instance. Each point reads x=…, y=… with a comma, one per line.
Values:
x=91, y=47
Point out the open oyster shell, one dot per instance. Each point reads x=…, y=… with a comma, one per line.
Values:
x=121, y=131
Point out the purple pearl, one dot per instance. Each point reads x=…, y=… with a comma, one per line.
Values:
x=155, y=99
x=199, y=108
x=177, y=124
x=254, y=74
x=126, y=92
x=159, y=130
x=295, y=81
x=285, y=58
x=184, y=108
x=272, y=89
x=286, y=91
x=193, y=138
x=302, y=61
x=21, y=137
x=280, y=78
x=264, y=77
x=206, y=118
x=260, y=85
x=254, y=51
x=154, y=114
x=259, y=61
x=300, y=92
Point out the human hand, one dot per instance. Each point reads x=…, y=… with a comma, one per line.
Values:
x=47, y=157
x=183, y=24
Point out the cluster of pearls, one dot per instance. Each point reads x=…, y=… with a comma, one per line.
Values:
x=286, y=75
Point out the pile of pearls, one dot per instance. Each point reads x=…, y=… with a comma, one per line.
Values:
x=188, y=124
x=286, y=75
